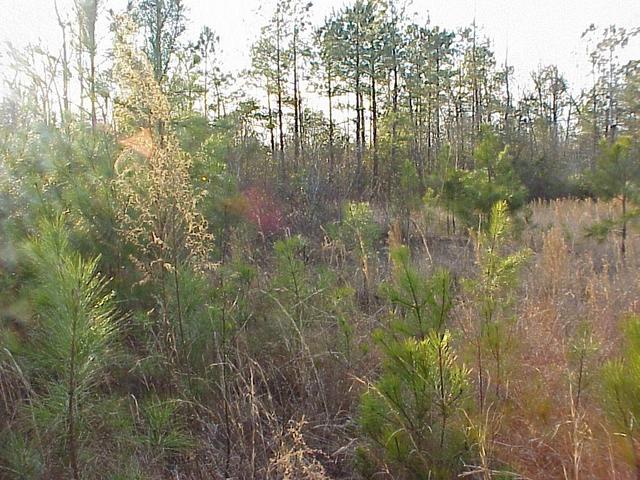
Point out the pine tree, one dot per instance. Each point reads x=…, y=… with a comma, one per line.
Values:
x=617, y=175
x=412, y=415
x=74, y=339
x=621, y=389
x=493, y=291
x=163, y=22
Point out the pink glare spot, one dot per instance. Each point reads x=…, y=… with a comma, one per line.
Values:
x=263, y=210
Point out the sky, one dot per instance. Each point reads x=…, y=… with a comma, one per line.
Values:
x=532, y=33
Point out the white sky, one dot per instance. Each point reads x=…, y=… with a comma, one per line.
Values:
x=536, y=32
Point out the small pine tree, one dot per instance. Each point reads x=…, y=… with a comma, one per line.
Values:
x=359, y=231
x=311, y=297
x=472, y=194
x=291, y=283
x=617, y=175
x=621, y=389
x=412, y=415
x=74, y=338
x=493, y=293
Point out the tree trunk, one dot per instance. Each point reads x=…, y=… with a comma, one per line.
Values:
x=157, y=44
x=507, y=107
x=436, y=111
x=65, y=67
x=359, y=122
x=394, y=122
x=272, y=140
x=623, y=247
x=205, y=87
x=81, y=67
x=92, y=87
x=374, y=129
x=296, y=104
x=279, y=92
x=331, y=126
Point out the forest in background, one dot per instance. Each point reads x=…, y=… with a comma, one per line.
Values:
x=364, y=257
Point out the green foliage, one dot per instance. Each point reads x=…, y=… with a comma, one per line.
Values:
x=214, y=184
x=200, y=323
x=335, y=309
x=472, y=194
x=19, y=458
x=310, y=296
x=410, y=187
x=212, y=309
x=74, y=339
x=215, y=315
x=174, y=183
x=621, y=384
x=617, y=175
x=412, y=415
x=406, y=412
x=498, y=272
x=52, y=171
x=358, y=231
x=543, y=174
x=602, y=229
x=494, y=292
x=617, y=172
x=163, y=433
x=359, y=224
x=291, y=281
x=77, y=318
x=163, y=22
x=424, y=302
x=583, y=348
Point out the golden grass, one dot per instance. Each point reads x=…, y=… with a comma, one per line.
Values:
x=553, y=426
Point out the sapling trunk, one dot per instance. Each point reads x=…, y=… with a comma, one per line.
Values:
x=635, y=447
x=71, y=396
x=443, y=407
x=623, y=248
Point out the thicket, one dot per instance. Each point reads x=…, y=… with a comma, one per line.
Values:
x=202, y=284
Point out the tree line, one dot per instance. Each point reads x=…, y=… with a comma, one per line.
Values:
x=396, y=96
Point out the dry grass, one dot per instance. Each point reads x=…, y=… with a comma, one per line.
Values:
x=291, y=413
x=573, y=295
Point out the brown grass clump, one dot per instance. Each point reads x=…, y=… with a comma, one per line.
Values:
x=294, y=460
